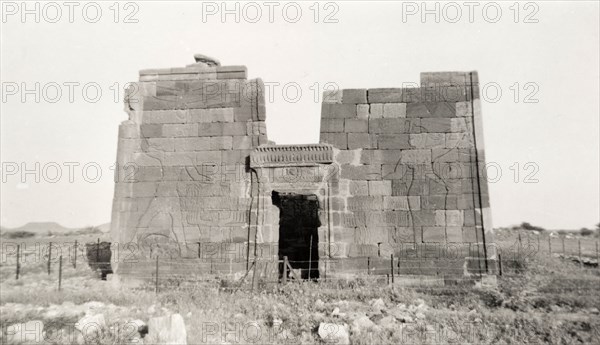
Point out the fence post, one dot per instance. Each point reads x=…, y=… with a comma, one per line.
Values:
x=156, y=277
x=285, y=265
x=368, y=265
x=549, y=245
x=98, y=253
x=580, y=260
x=597, y=255
x=310, y=259
x=539, y=248
x=254, y=279
x=563, y=245
x=59, y=272
x=520, y=245
x=19, y=264
x=500, y=263
x=49, y=256
x=75, y=258
x=392, y=267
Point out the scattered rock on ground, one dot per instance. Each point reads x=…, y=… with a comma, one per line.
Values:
x=334, y=333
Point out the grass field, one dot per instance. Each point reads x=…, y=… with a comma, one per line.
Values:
x=539, y=299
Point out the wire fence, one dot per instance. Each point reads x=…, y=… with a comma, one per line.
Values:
x=407, y=268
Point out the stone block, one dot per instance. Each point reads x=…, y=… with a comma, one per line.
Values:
x=416, y=156
x=440, y=217
x=434, y=234
x=454, y=234
x=362, y=111
x=385, y=95
x=393, y=142
x=423, y=218
x=203, y=143
x=428, y=140
x=235, y=128
x=358, y=188
x=158, y=144
x=402, y=234
x=464, y=109
x=459, y=140
x=210, y=129
x=454, y=218
x=433, y=202
x=410, y=187
x=431, y=109
x=234, y=156
x=165, y=116
x=129, y=130
x=347, y=156
x=338, y=140
x=354, y=96
x=391, y=126
x=362, y=141
x=394, y=110
x=472, y=234
x=396, y=203
x=446, y=78
x=242, y=142
x=356, y=126
x=444, y=155
x=147, y=174
x=211, y=115
x=361, y=203
x=332, y=125
x=380, y=188
x=375, y=110
x=332, y=96
x=460, y=125
x=361, y=172
x=437, y=125
x=395, y=172
x=180, y=130
x=338, y=111
x=152, y=130
x=383, y=157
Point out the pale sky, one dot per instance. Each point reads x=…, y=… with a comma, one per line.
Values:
x=376, y=44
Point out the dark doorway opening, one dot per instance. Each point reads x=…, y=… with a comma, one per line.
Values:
x=298, y=232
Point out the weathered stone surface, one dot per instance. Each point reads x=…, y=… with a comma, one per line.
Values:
x=361, y=141
x=380, y=188
x=354, y=96
x=394, y=142
x=431, y=109
x=338, y=140
x=332, y=125
x=387, y=126
x=338, y=111
x=356, y=126
x=394, y=110
x=400, y=165
x=385, y=95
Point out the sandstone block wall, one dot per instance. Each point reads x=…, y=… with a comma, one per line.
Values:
x=411, y=163
x=396, y=170
x=182, y=157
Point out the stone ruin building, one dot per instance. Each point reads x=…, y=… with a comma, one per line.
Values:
x=397, y=171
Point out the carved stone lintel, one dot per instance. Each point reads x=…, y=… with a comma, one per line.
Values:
x=291, y=155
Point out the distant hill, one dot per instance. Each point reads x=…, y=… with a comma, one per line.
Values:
x=104, y=227
x=40, y=228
